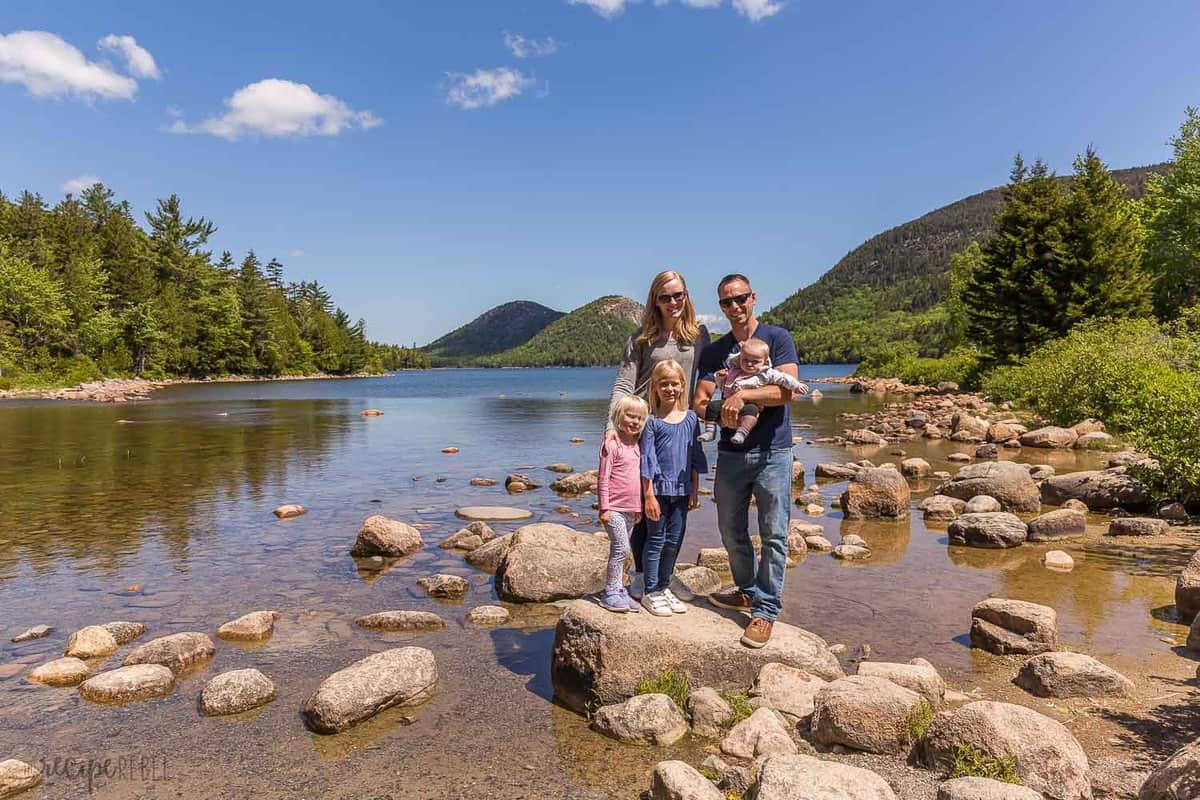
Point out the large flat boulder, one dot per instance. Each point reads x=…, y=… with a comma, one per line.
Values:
x=876, y=492
x=403, y=676
x=801, y=777
x=1048, y=759
x=1177, y=778
x=1071, y=675
x=66, y=671
x=1061, y=523
x=1006, y=481
x=601, y=655
x=1099, y=490
x=995, y=529
x=1049, y=437
x=547, y=562
x=128, y=684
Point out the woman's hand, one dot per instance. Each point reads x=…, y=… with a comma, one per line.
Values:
x=637, y=517
x=693, y=501
x=610, y=437
x=653, y=511
x=605, y=516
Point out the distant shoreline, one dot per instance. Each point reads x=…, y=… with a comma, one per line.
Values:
x=125, y=390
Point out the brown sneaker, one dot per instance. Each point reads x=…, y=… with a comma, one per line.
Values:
x=758, y=632
x=730, y=598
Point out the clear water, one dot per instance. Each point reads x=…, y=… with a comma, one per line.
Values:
x=160, y=512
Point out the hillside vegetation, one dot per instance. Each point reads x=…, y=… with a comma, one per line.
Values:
x=495, y=330
x=590, y=336
x=893, y=287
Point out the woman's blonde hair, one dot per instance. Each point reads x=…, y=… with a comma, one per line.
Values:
x=624, y=404
x=668, y=368
x=687, y=330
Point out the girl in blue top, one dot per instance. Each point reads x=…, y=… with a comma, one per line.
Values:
x=672, y=460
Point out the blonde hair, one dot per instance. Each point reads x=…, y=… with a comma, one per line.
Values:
x=624, y=404
x=758, y=346
x=669, y=367
x=686, y=330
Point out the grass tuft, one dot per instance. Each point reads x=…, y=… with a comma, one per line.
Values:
x=672, y=682
x=970, y=762
x=739, y=704
x=917, y=722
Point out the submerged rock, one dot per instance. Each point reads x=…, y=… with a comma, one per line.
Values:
x=401, y=621
x=29, y=634
x=236, y=691
x=128, y=684
x=493, y=513
x=547, y=562
x=803, y=777
x=598, y=654
x=256, y=626
x=390, y=538
x=1062, y=523
x=1003, y=626
x=995, y=529
x=403, y=676
x=1066, y=674
x=445, y=586
x=643, y=719
x=1048, y=759
x=176, y=652
x=1058, y=560
x=483, y=616
x=67, y=671
x=290, y=510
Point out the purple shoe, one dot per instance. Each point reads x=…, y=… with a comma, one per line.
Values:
x=630, y=604
x=613, y=601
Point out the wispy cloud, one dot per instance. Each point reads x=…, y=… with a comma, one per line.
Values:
x=716, y=323
x=48, y=66
x=755, y=10
x=80, y=182
x=485, y=88
x=138, y=60
x=295, y=252
x=524, y=47
x=605, y=8
x=280, y=109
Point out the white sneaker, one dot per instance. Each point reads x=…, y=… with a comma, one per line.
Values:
x=676, y=605
x=656, y=604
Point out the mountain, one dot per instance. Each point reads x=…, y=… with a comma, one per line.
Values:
x=493, y=331
x=891, y=287
x=590, y=336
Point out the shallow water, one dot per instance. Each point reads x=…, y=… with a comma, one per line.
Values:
x=161, y=512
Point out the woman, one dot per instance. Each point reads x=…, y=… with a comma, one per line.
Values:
x=669, y=331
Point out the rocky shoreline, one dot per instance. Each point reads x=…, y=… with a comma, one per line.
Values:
x=126, y=390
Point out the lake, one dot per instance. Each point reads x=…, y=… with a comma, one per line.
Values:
x=160, y=512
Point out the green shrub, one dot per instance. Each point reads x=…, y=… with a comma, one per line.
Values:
x=901, y=360
x=970, y=762
x=739, y=704
x=673, y=683
x=917, y=722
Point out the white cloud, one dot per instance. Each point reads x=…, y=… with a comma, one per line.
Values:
x=524, y=47
x=279, y=108
x=80, y=182
x=702, y=3
x=484, y=88
x=757, y=10
x=48, y=66
x=605, y=8
x=295, y=252
x=138, y=60
x=716, y=323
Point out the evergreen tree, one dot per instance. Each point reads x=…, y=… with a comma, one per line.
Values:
x=1172, y=217
x=1103, y=271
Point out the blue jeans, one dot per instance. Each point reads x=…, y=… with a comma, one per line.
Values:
x=664, y=537
x=767, y=475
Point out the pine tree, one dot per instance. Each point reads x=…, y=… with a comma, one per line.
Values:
x=1172, y=217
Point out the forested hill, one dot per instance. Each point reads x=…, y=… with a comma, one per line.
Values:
x=87, y=292
x=591, y=335
x=496, y=329
x=891, y=287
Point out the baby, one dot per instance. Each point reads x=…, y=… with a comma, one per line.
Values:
x=749, y=368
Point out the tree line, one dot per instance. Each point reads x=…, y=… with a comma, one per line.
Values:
x=86, y=292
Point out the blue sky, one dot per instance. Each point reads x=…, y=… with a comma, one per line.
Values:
x=406, y=156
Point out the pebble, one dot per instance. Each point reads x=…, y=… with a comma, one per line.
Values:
x=449, y=450
x=290, y=510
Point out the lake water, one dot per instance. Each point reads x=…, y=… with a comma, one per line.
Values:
x=160, y=512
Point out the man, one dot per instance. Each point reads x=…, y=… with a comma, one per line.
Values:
x=760, y=467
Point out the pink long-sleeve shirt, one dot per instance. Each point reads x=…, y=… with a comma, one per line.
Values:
x=620, y=484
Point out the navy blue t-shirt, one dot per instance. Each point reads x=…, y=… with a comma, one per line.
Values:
x=774, y=428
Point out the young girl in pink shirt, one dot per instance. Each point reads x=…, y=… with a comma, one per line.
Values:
x=620, y=490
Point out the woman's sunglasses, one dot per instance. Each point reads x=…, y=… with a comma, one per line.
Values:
x=672, y=298
x=739, y=299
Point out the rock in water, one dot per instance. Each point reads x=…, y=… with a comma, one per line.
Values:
x=236, y=691
x=547, y=562
x=1176, y=778
x=1050, y=437
x=644, y=719
x=996, y=529
x=401, y=621
x=915, y=468
x=404, y=676
x=1100, y=490
x=1187, y=588
x=577, y=483
x=865, y=713
x=469, y=538
x=1071, y=675
x=984, y=789
x=385, y=537
x=676, y=780
x=176, y=652
x=942, y=507
x=124, y=632
x=1058, y=561
x=91, y=642
x=128, y=684
x=1048, y=759
x=488, y=556
x=1003, y=626
x=445, y=586
x=762, y=733
x=17, y=776
x=256, y=626
x=1063, y=523
x=290, y=510
x=493, y=513
x=598, y=654
x=876, y=492
x=982, y=504
x=66, y=671
x=802, y=777
x=1006, y=481
x=29, y=634
x=484, y=616
x=1138, y=526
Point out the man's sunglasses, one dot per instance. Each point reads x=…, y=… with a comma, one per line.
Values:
x=672, y=298
x=739, y=299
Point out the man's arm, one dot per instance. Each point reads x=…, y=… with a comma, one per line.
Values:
x=764, y=396
x=704, y=393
